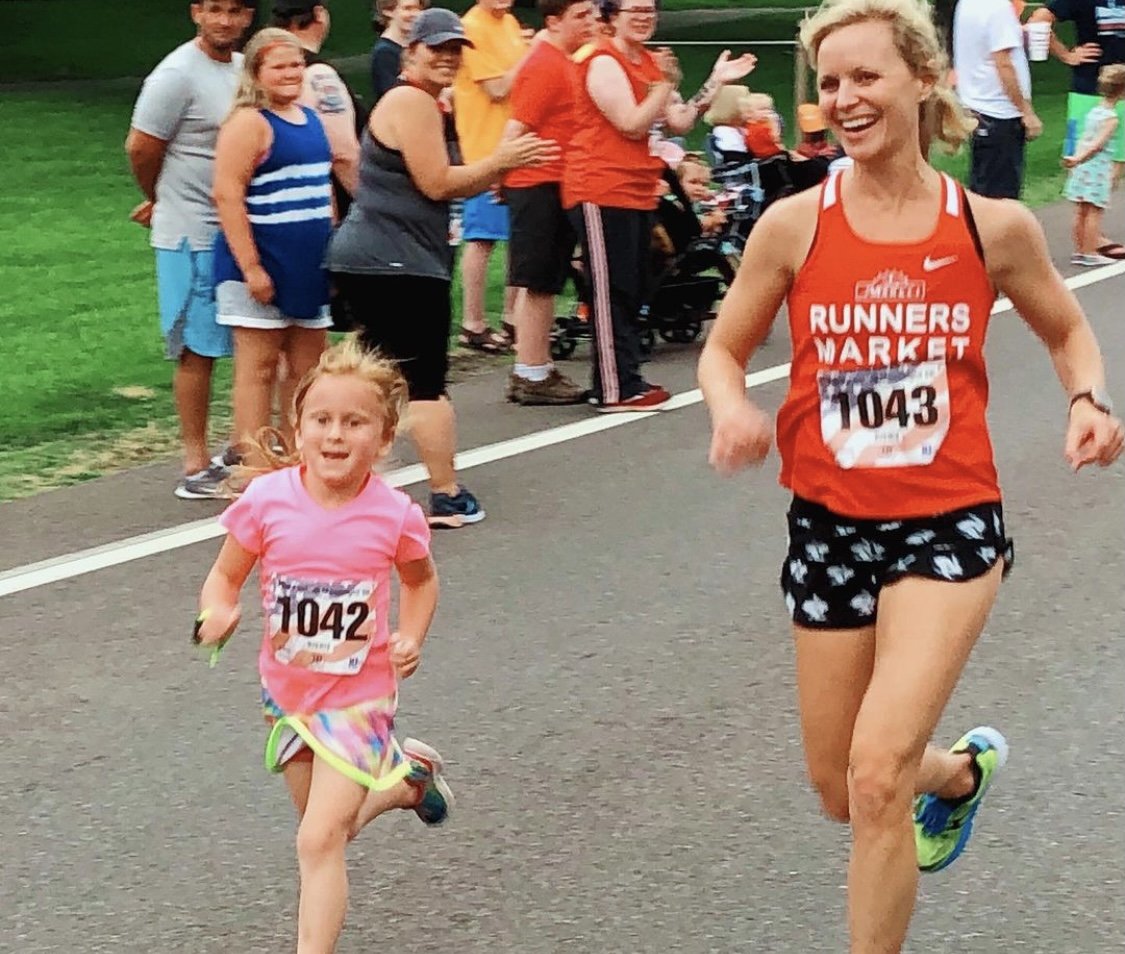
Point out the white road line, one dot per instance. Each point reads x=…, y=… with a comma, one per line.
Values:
x=81, y=562
x=161, y=541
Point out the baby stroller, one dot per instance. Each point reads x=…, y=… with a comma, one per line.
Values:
x=751, y=185
x=684, y=288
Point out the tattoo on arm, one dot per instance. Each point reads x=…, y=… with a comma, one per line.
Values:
x=707, y=91
x=329, y=96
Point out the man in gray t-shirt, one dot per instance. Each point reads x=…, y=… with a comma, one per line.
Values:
x=171, y=148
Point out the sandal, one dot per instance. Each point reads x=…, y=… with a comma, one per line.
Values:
x=508, y=330
x=1113, y=250
x=487, y=341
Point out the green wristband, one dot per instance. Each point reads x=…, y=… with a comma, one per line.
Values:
x=212, y=651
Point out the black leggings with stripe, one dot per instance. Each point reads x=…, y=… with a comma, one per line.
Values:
x=616, y=248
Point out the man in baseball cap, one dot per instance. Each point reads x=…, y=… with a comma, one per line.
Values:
x=437, y=26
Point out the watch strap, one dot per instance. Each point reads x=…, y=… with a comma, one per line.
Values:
x=1091, y=396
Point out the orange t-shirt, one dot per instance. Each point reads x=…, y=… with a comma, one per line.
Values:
x=499, y=45
x=885, y=416
x=543, y=100
x=602, y=166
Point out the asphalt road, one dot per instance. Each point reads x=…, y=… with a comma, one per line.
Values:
x=611, y=682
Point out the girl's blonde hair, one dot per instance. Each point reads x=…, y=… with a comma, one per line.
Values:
x=726, y=107
x=692, y=160
x=249, y=94
x=1111, y=81
x=347, y=358
x=916, y=39
x=759, y=102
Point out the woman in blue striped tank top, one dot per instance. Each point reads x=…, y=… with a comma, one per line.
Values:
x=274, y=196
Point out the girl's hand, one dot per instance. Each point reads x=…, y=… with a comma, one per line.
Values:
x=406, y=654
x=1092, y=437
x=1069, y=162
x=740, y=437
x=259, y=284
x=216, y=624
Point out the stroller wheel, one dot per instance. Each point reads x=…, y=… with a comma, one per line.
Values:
x=562, y=346
x=685, y=333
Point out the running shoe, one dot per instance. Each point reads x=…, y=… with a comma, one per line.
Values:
x=206, y=484
x=425, y=773
x=941, y=826
x=455, y=510
x=1091, y=260
x=651, y=399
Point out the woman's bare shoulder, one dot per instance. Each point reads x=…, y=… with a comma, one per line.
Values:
x=1001, y=221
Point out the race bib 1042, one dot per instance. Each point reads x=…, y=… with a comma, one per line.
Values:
x=323, y=627
x=885, y=417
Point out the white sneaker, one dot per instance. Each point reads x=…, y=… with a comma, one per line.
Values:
x=206, y=484
x=1092, y=260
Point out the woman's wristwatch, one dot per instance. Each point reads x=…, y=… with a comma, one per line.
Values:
x=1095, y=396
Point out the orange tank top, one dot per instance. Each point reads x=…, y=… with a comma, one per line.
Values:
x=885, y=415
x=602, y=165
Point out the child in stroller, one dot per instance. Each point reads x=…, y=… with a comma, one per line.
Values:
x=683, y=290
x=751, y=184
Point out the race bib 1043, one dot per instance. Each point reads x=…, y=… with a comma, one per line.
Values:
x=323, y=627
x=885, y=417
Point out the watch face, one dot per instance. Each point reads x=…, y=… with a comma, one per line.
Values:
x=1101, y=400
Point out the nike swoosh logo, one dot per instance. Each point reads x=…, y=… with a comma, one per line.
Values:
x=933, y=264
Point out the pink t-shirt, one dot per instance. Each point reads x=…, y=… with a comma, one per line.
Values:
x=325, y=578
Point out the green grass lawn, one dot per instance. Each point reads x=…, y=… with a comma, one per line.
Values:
x=85, y=384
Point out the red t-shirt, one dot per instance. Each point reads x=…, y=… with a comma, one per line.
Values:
x=542, y=98
x=602, y=165
x=888, y=390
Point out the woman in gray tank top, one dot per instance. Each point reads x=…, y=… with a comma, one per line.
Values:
x=391, y=257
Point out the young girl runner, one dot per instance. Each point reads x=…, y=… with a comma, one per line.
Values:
x=327, y=533
x=1091, y=168
x=896, y=529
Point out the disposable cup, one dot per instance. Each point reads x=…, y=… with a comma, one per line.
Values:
x=1038, y=40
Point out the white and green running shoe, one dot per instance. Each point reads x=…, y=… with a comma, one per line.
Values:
x=941, y=827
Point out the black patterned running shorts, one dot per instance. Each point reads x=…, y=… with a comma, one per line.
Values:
x=836, y=566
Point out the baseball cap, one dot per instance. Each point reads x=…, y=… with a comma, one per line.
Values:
x=437, y=26
x=293, y=8
x=810, y=119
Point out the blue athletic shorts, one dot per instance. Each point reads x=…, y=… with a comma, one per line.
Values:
x=187, y=304
x=484, y=219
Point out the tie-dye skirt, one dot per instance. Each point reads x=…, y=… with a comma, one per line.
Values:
x=358, y=741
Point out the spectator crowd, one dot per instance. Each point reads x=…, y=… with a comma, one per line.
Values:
x=282, y=204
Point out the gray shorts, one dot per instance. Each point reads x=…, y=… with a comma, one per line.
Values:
x=237, y=308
